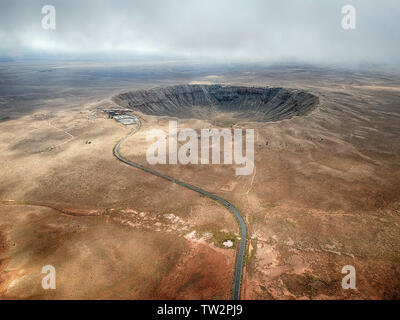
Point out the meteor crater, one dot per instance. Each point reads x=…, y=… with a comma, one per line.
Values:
x=223, y=105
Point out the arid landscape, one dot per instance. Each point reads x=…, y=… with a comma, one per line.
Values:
x=323, y=193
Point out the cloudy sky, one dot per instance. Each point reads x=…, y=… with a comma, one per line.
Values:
x=280, y=30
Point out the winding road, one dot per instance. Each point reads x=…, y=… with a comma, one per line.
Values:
x=243, y=230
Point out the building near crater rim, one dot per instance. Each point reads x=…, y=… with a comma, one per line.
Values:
x=126, y=119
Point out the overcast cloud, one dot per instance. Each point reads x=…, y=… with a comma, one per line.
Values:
x=284, y=30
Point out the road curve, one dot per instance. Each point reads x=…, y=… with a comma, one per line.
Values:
x=243, y=230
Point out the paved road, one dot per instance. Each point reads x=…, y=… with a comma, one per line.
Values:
x=243, y=230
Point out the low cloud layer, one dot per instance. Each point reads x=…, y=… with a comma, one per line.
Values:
x=287, y=30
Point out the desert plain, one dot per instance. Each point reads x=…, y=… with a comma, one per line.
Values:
x=324, y=192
